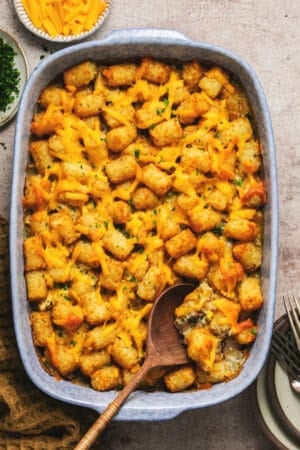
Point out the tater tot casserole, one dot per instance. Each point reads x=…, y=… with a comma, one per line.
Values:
x=141, y=174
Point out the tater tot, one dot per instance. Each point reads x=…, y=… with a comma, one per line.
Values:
x=166, y=133
x=116, y=116
x=117, y=244
x=88, y=103
x=151, y=285
x=181, y=243
x=237, y=105
x=191, y=266
x=111, y=275
x=202, y=347
x=192, y=108
x=90, y=224
x=63, y=357
x=54, y=95
x=249, y=255
x=253, y=194
x=144, y=198
x=39, y=222
x=85, y=253
x=167, y=226
x=123, y=352
x=218, y=200
x=191, y=74
x=106, y=378
x=239, y=128
x=36, y=192
x=44, y=124
x=80, y=75
x=203, y=219
x=99, y=337
x=119, y=211
x=121, y=169
x=156, y=180
x=42, y=327
x=241, y=229
x=150, y=114
x=95, y=308
x=187, y=202
x=90, y=362
x=250, y=294
x=193, y=158
x=36, y=285
x=62, y=223
x=119, y=138
x=33, y=246
x=119, y=74
x=155, y=71
x=211, y=247
x=66, y=315
x=180, y=379
x=211, y=86
x=39, y=150
x=250, y=157
x=180, y=93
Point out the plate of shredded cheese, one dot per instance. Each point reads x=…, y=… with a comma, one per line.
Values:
x=64, y=21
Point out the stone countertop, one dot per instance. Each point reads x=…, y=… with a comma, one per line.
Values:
x=265, y=34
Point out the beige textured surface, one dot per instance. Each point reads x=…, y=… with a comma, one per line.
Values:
x=266, y=34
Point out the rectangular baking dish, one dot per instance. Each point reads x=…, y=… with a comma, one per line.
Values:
x=124, y=45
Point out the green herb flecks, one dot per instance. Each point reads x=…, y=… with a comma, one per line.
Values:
x=218, y=230
x=238, y=181
x=9, y=76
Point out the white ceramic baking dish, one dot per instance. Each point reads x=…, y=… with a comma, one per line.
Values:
x=119, y=46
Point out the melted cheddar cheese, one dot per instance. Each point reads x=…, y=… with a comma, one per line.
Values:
x=142, y=175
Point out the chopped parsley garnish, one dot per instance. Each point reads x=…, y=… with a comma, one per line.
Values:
x=137, y=153
x=9, y=76
x=219, y=229
x=238, y=181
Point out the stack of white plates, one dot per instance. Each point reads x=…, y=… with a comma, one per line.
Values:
x=276, y=404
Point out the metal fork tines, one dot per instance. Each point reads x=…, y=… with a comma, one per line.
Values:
x=292, y=307
x=286, y=354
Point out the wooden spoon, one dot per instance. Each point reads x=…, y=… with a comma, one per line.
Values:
x=163, y=349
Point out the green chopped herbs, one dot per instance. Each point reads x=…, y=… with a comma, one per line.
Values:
x=9, y=75
x=238, y=181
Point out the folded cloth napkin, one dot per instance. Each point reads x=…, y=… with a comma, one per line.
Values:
x=29, y=419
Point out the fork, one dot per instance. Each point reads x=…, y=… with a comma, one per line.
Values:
x=292, y=307
x=283, y=348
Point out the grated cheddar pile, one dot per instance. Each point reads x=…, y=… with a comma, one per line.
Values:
x=142, y=175
x=64, y=17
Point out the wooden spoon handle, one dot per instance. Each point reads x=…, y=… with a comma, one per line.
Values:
x=94, y=431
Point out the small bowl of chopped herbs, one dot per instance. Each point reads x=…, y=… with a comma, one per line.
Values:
x=13, y=76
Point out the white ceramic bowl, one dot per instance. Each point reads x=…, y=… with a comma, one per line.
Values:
x=26, y=21
x=125, y=45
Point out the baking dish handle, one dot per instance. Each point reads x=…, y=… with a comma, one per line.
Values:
x=143, y=34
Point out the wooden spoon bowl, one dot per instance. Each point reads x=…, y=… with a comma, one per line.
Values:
x=163, y=349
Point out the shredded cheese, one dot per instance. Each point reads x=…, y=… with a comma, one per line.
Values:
x=66, y=17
